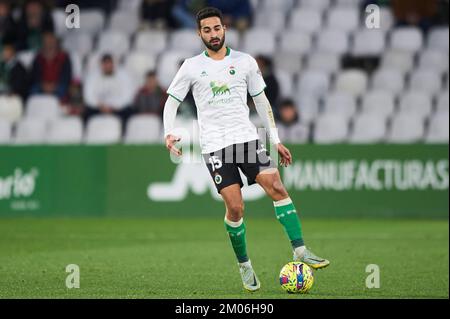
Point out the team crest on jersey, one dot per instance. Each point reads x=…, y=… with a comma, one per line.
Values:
x=232, y=70
x=203, y=74
x=219, y=88
x=218, y=179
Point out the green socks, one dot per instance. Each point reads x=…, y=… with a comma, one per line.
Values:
x=236, y=232
x=287, y=215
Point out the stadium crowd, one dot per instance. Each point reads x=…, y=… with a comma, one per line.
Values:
x=37, y=59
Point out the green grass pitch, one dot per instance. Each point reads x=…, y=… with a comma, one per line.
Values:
x=192, y=258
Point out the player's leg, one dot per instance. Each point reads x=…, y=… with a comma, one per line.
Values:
x=287, y=215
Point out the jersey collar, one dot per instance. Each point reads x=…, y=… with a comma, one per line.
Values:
x=227, y=54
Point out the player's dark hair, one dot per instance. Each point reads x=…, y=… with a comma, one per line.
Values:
x=208, y=12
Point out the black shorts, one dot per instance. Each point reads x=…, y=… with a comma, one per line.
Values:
x=251, y=157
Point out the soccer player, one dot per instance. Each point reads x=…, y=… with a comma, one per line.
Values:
x=220, y=78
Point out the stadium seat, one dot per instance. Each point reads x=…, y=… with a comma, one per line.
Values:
x=409, y=39
x=295, y=42
x=274, y=20
x=315, y=4
x=340, y=103
x=438, y=128
x=113, y=42
x=78, y=42
x=343, y=19
x=285, y=81
x=138, y=64
x=308, y=108
x=152, y=42
x=406, y=128
x=92, y=21
x=438, y=39
x=31, y=131
x=352, y=81
x=378, y=103
x=322, y=61
x=331, y=128
x=26, y=58
x=282, y=6
x=314, y=83
x=187, y=40
x=233, y=39
x=443, y=101
x=348, y=3
x=288, y=62
x=5, y=131
x=416, y=102
x=259, y=41
x=368, y=42
x=45, y=107
x=168, y=65
x=368, y=129
x=130, y=5
x=103, y=129
x=399, y=60
x=67, y=130
x=305, y=21
x=434, y=60
x=333, y=41
x=59, y=17
x=124, y=21
x=387, y=19
x=11, y=108
x=389, y=80
x=426, y=81
x=143, y=129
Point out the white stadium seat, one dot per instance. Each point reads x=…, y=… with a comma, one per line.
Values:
x=103, y=129
x=331, y=128
x=77, y=42
x=314, y=83
x=113, y=42
x=186, y=39
x=67, y=130
x=416, y=102
x=45, y=107
x=315, y=4
x=398, y=60
x=368, y=128
x=277, y=5
x=340, y=103
x=306, y=21
x=368, y=42
x=143, y=129
x=233, y=39
x=389, y=80
x=387, y=19
x=352, y=81
x=295, y=42
x=124, y=21
x=5, y=131
x=138, y=64
x=438, y=128
x=379, y=103
x=308, y=107
x=31, y=131
x=92, y=21
x=168, y=65
x=406, y=128
x=288, y=62
x=322, y=61
x=274, y=20
x=409, y=39
x=152, y=42
x=426, y=80
x=285, y=80
x=348, y=3
x=59, y=17
x=344, y=19
x=11, y=108
x=434, y=60
x=438, y=39
x=443, y=101
x=333, y=41
x=259, y=41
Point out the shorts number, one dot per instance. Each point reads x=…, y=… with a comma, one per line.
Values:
x=215, y=162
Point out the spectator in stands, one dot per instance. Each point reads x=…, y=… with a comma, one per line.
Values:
x=74, y=104
x=415, y=12
x=237, y=13
x=290, y=128
x=157, y=13
x=8, y=26
x=36, y=20
x=109, y=91
x=184, y=11
x=273, y=88
x=13, y=75
x=52, y=69
x=151, y=97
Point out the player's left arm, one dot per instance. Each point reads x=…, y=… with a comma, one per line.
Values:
x=264, y=110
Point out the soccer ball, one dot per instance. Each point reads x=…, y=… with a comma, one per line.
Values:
x=296, y=278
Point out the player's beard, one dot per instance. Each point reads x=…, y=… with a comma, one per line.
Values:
x=215, y=47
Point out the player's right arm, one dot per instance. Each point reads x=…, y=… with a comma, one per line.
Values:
x=177, y=91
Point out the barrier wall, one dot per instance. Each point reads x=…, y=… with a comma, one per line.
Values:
x=324, y=181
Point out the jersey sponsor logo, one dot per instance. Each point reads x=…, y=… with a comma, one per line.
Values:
x=219, y=88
